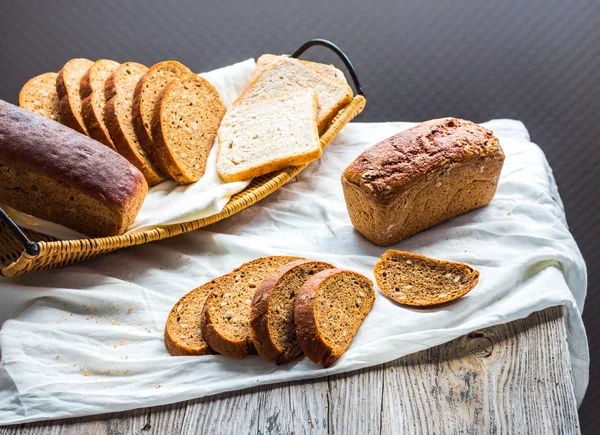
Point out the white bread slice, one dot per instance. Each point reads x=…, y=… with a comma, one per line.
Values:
x=328, y=71
x=267, y=136
x=287, y=75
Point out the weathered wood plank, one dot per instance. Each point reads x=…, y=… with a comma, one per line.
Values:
x=512, y=378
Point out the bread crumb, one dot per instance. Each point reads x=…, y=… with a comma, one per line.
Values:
x=508, y=214
x=158, y=386
x=87, y=374
x=57, y=356
x=130, y=309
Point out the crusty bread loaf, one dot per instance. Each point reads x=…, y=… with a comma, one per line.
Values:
x=412, y=279
x=272, y=316
x=182, y=331
x=330, y=307
x=67, y=87
x=188, y=113
x=287, y=75
x=91, y=91
x=118, y=116
x=268, y=135
x=39, y=96
x=145, y=99
x=225, y=322
x=328, y=71
x=421, y=177
x=54, y=173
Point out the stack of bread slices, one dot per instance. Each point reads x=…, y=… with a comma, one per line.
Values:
x=163, y=119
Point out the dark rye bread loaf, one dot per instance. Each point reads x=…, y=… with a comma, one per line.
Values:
x=54, y=173
x=412, y=279
x=146, y=96
x=225, y=319
x=67, y=87
x=187, y=116
x=39, y=96
x=272, y=316
x=330, y=307
x=421, y=177
x=93, y=100
x=119, y=90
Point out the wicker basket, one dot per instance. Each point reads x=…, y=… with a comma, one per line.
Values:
x=53, y=253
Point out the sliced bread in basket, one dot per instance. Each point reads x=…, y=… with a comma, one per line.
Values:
x=412, y=279
x=272, y=316
x=93, y=100
x=119, y=120
x=67, y=87
x=225, y=319
x=268, y=135
x=39, y=96
x=328, y=71
x=287, y=75
x=330, y=307
x=188, y=113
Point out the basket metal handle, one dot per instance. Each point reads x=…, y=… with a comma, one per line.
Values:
x=31, y=248
x=337, y=50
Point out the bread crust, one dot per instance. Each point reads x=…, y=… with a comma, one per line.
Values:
x=93, y=125
x=421, y=177
x=118, y=136
x=28, y=141
x=67, y=111
x=259, y=316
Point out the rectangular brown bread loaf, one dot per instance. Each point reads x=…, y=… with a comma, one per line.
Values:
x=52, y=172
x=421, y=177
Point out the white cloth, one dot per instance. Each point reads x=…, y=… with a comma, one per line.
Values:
x=167, y=203
x=88, y=338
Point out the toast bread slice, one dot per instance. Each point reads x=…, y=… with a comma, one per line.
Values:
x=67, y=86
x=39, y=96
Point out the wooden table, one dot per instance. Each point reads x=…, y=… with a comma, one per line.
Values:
x=512, y=378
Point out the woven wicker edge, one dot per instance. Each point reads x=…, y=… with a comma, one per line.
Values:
x=63, y=252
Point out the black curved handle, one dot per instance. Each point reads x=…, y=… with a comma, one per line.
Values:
x=31, y=248
x=337, y=50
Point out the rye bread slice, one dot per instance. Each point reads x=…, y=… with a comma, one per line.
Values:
x=146, y=96
x=330, y=307
x=412, y=279
x=67, y=87
x=272, y=315
x=225, y=319
x=328, y=71
x=182, y=331
x=267, y=136
x=91, y=91
x=187, y=116
x=39, y=96
x=119, y=123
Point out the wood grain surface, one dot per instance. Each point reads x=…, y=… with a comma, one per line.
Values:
x=513, y=378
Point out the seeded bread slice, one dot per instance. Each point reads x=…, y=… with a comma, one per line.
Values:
x=145, y=99
x=117, y=114
x=67, y=87
x=188, y=113
x=225, y=319
x=39, y=96
x=330, y=307
x=268, y=136
x=287, y=75
x=328, y=71
x=272, y=315
x=416, y=280
x=93, y=100
x=182, y=331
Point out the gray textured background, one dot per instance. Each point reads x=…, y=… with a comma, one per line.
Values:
x=538, y=62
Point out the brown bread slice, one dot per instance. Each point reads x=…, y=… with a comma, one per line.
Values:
x=272, y=316
x=416, y=280
x=225, y=320
x=67, y=87
x=187, y=116
x=39, y=96
x=330, y=307
x=146, y=96
x=182, y=331
x=117, y=114
x=328, y=71
x=91, y=91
